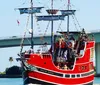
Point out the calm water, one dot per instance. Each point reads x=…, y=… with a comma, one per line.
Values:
x=19, y=81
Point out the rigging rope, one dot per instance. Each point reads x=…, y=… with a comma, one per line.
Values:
x=42, y=35
x=39, y=30
x=45, y=5
x=74, y=18
x=46, y=28
x=74, y=22
x=59, y=28
x=22, y=3
x=22, y=41
x=62, y=6
x=78, y=23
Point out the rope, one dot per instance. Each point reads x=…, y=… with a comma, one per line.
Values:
x=46, y=28
x=40, y=29
x=22, y=41
x=78, y=22
x=74, y=22
x=62, y=6
x=59, y=28
x=44, y=5
x=21, y=44
x=22, y=3
x=74, y=18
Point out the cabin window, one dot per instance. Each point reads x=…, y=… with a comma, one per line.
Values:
x=73, y=76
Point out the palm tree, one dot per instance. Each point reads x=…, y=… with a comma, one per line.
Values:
x=10, y=60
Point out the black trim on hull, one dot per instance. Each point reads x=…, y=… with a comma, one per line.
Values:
x=91, y=83
x=34, y=81
x=66, y=75
x=28, y=80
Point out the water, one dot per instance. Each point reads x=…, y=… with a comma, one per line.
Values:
x=97, y=80
x=19, y=81
x=11, y=81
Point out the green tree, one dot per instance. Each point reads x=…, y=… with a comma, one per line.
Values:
x=14, y=70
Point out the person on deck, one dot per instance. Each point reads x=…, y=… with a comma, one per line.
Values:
x=56, y=47
x=45, y=48
x=62, y=46
x=71, y=54
x=80, y=45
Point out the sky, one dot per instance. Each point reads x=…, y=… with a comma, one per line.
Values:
x=87, y=13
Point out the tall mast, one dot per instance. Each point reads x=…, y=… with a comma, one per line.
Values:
x=32, y=25
x=68, y=18
x=31, y=10
x=52, y=34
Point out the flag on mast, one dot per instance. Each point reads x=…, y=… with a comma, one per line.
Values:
x=68, y=1
x=18, y=22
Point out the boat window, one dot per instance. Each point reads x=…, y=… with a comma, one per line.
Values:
x=73, y=76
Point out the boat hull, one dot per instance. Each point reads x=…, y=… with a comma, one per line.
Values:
x=40, y=69
x=34, y=81
x=42, y=79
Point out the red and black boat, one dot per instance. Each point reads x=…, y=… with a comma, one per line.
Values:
x=69, y=60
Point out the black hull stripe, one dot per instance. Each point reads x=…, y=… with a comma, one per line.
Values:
x=50, y=72
x=35, y=81
x=66, y=75
x=87, y=74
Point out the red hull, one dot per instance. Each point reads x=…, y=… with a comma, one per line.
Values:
x=44, y=69
x=61, y=81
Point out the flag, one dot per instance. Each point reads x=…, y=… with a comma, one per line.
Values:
x=18, y=22
x=67, y=12
x=68, y=1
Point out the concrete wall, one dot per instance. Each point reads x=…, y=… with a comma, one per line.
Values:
x=97, y=59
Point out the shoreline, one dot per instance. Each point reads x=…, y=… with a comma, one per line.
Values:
x=10, y=76
x=97, y=75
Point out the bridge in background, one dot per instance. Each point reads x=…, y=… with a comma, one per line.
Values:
x=16, y=40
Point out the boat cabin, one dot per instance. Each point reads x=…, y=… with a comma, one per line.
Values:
x=67, y=50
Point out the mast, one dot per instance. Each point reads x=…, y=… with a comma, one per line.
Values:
x=32, y=26
x=51, y=17
x=52, y=35
x=68, y=18
x=30, y=10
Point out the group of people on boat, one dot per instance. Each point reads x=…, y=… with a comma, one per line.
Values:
x=66, y=49
x=64, y=52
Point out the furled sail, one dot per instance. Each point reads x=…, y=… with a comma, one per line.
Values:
x=67, y=12
x=50, y=17
x=30, y=10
